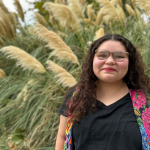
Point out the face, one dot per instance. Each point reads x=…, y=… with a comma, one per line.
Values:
x=109, y=70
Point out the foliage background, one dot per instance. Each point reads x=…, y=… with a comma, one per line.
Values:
x=30, y=95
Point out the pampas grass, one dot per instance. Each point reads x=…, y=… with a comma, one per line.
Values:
x=3, y=7
x=90, y=12
x=64, y=15
x=76, y=7
x=2, y=74
x=144, y=5
x=19, y=9
x=6, y=25
x=120, y=3
x=87, y=21
x=24, y=60
x=56, y=43
x=64, y=77
x=133, y=3
x=109, y=10
x=99, y=34
x=82, y=2
x=2, y=30
x=129, y=9
x=121, y=13
x=138, y=14
x=41, y=19
x=99, y=17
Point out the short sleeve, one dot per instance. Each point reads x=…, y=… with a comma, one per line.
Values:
x=62, y=110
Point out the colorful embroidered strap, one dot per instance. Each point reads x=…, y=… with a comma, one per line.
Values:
x=142, y=113
x=68, y=142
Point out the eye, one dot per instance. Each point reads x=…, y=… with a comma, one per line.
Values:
x=102, y=54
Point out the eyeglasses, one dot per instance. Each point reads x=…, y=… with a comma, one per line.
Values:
x=117, y=56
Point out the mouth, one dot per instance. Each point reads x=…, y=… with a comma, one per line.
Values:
x=109, y=69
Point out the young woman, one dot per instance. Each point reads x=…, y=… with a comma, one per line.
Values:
x=107, y=109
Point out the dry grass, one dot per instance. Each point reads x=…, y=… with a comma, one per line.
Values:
x=76, y=7
x=138, y=14
x=24, y=60
x=120, y=3
x=133, y=3
x=82, y=2
x=2, y=74
x=41, y=19
x=64, y=15
x=19, y=9
x=89, y=22
x=90, y=12
x=2, y=30
x=55, y=42
x=5, y=21
x=129, y=9
x=99, y=17
x=109, y=11
x=63, y=77
x=121, y=12
x=99, y=34
x=3, y=7
x=144, y=5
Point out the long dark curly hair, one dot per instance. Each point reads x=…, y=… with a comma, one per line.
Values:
x=135, y=78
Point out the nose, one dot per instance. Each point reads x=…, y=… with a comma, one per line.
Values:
x=110, y=60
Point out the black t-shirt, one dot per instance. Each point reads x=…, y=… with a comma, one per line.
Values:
x=112, y=127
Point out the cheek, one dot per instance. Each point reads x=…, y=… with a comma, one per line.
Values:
x=124, y=66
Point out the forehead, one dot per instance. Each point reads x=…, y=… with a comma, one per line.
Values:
x=111, y=45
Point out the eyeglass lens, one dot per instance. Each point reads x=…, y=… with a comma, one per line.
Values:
x=117, y=56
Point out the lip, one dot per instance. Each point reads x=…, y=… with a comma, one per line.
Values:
x=109, y=69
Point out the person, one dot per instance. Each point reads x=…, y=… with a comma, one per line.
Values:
x=108, y=108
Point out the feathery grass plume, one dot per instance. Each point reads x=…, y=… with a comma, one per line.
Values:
x=121, y=12
x=41, y=19
x=90, y=12
x=99, y=34
x=114, y=2
x=144, y=5
x=2, y=30
x=3, y=7
x=19, y=9
x=129, y=9
x=6, y=25
x=61, y=34
x=31, y=30
x=63, y=76
x=2, y=74
x=54, y=42
x=82, y=2
x=99, y=17
x=65, y=56
x=63, y=14
x=76, y=7
x=120, y=3
x=138, y=14
x=109, y=10
x=24, y=60
x=89, y=22
x=1, y=42
x=63, y=2
x=58, y=1
x=133, y=3
x=12, y=18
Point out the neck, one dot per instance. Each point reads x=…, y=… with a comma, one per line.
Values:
x=105, y=89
